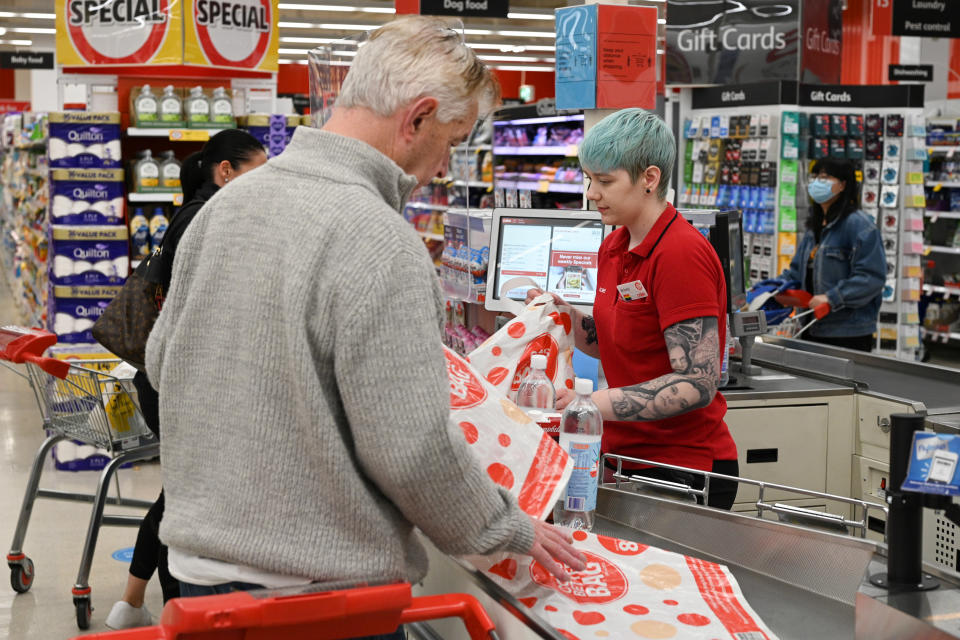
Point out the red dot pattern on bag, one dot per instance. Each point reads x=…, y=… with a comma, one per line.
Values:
x=621, y=547
x=504, y=440
x=568, y=383
x=562, y=319
x=517, y=330
x=528, y=602
x=496, y=351
x=671, y=603
x=549, y=607
x=501, y=474
x=580, y=536
x=470, y=432
x=466, y=390
x=693, y=619
x=543, y=344
x=505, y=569
x=636, y=610
x=600, y=582
x=497, y=375
x=586, y=618
x=566, y=634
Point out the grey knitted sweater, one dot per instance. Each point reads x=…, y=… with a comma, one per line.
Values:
x=303, y=390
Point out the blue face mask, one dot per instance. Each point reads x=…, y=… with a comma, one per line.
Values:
x=820, y=190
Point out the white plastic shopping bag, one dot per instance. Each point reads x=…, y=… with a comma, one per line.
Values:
x=538, y=328
x=630, y=590
x=517, y=454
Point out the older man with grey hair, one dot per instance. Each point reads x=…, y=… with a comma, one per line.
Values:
x=304, y=393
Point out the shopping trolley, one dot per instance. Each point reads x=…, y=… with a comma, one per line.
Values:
x=795, y=325
x=314, y=612
x=86, y=405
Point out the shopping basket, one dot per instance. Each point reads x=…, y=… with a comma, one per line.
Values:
x=314, y=612
x=88, y=406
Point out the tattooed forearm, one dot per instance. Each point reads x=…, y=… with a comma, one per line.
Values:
x=589, y=329
x=694, y=350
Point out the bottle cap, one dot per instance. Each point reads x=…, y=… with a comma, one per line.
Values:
x=538, y=361
x=583, y=386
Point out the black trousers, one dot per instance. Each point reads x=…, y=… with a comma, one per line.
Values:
x=149, y=553
x=860, y=343
x=723, y=493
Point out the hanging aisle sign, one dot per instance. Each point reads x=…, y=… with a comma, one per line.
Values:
x=119, y=32
x=234, y=34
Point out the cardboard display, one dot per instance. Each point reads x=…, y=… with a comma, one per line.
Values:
x=119, y=33
x=240, y=34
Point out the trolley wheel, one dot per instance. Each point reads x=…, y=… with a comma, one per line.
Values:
x=84, y=611
x=21, y=575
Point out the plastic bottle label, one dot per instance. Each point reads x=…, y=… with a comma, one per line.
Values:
x=581, y=493
x=146, y=108
x=170, y=110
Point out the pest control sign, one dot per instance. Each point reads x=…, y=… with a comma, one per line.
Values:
x=235, y=34
x=933, y=464
x=118, y=32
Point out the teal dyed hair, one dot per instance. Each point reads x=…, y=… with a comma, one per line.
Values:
x=633, y=140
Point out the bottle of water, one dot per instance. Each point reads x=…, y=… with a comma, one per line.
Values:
x=725, y=366
x=536, y=390
x=581, y=430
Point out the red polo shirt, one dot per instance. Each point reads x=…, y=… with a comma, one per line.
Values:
x=683, y=279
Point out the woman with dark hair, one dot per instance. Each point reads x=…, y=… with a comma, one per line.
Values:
x=225, y=156
x=840, y=259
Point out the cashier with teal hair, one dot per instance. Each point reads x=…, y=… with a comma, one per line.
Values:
x=659, y=314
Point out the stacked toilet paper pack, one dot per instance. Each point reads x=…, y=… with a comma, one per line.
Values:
x=86, y=197
x=75, y=309
x=81, y=140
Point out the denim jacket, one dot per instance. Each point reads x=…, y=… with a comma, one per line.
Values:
x=850, y=268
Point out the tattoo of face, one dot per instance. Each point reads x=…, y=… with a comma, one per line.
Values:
x=590, y=329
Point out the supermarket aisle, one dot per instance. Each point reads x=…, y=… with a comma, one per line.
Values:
x=57, y=529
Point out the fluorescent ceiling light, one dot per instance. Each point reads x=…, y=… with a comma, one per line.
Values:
x=477, y=32
x=661, y=21
x=7, y=14
x=284, y=6
x=530, y=16
x=347, y=27
x=295, y=25
x=510, y=48
x=378, y=10
x=19, y=43
x=527, y=34
x=39, y=16
x=310, y=40
x=514, y=59
x=293, y=52
x=32, y=30
x=348, y=54
x=507, y=67
x=2, y=30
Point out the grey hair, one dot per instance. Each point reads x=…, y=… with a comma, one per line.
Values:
x=414, y=57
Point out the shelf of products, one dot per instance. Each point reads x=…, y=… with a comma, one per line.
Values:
x=175, y=198
x=942, y=184
x=473, y=184
x=544, y=186
x=950, y=215
x=935, y=289
x=934, y=248
x=569, y=151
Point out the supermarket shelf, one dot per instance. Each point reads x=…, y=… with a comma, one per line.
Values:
x=942, y=336
x=40, y=173
x=943, y=183
x=174, y=135
x=570, y=150
x=473, y=147
x=552, y=187
x=478, y=184
x=934, y=248
x=428, y=206
x=944, y=291
x=431, y=236
x=942, y=214
x=943, y=149
x=155, y=197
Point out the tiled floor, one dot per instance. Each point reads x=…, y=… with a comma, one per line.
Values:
x=57, y=529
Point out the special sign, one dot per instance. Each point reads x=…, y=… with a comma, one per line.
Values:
x=118, y=32
x=232, y=33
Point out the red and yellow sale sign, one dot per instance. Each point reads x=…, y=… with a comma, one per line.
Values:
x=119, y=33
x=235, y=34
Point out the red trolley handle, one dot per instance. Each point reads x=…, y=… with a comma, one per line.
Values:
x=58, y=368
x=452, y=605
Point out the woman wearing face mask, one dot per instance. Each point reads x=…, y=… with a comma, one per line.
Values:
x=840, y=259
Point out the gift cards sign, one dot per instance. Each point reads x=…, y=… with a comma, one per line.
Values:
x=121, y=32
x=235, y=34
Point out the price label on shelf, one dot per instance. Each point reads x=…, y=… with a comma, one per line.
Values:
x=189, y=135
x=178, y=199
x=573, y=150
x=543, y=186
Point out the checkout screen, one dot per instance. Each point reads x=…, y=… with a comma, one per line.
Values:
x=559, y=255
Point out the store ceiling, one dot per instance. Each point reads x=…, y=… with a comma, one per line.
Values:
x=522, y=42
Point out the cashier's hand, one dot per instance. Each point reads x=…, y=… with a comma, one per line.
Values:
x=553, y=545
x=534, y=293
x=564, y=397
x=816, y=301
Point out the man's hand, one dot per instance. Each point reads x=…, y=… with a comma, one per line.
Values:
x=816, y=301
x=564, y=397
x=552, y=545
x=535, y=293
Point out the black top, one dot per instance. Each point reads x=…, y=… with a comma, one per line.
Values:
x=161, y=264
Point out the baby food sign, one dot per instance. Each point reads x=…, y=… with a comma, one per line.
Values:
x=236, y=34
x=119, y=32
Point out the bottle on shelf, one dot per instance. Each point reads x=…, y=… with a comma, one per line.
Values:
x=158, y=227
x=581, y=429
x=146, y=172
x=145, y=106
x=197, y=107
x=140, y=234
x=171, y=107
x=222, y=111
x=169, y=171
x=536, y=390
